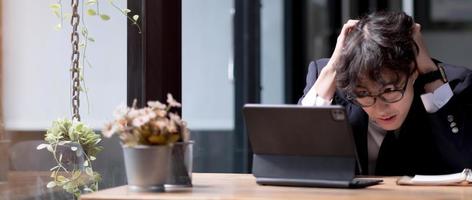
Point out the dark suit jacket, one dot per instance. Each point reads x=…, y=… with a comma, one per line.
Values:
x=425, y=143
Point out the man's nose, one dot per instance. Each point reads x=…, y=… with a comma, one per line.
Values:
x=381, y=105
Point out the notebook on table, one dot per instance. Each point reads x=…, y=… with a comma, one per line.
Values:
x=461, y=178
x=302, y=146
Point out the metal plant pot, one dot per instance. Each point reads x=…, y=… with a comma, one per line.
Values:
x=147, y=167
x=180, y=172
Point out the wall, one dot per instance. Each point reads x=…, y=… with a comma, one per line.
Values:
x=452, y=47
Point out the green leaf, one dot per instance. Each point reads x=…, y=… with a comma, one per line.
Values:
x=53, y=174
x=86, y=164
x=136, y=17
x=91, y=2
x=91, y=12
x=92, y=158
x=42, y=146
x=50, y=149
x=126, y=10
x=89, y=171
x=62, y=179
x=104, y=17
x=58, y=27
x=73, y=148
x=68, y=187
x=91, y=39
x=55, y=6
x=83, y=30
x=57, y=13
x=76, y=174
x=51, y=184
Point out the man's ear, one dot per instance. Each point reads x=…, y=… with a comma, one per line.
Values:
x=414, y=76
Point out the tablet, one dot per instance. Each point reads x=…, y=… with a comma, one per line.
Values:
x=302, y=146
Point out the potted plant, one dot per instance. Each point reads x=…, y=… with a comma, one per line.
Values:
x=147, y=135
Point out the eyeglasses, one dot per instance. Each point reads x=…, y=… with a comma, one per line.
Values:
x=389, y=95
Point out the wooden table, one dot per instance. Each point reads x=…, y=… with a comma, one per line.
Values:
x=243, y=186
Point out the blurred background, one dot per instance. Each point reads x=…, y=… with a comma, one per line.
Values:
x=227, y=53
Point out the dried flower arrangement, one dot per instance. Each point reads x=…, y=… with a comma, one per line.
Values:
x=151, y=125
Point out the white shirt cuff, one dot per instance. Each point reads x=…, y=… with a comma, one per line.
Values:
x=312, y=99
x=436, y=100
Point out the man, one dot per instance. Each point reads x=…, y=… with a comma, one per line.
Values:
x=409, y=113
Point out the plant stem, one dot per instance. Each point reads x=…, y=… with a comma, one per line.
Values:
x=84, y=55
x=98, y=9
x=62, y=14
x=126, y=14
x=57, y=160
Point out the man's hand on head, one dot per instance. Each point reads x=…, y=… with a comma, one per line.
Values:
x=341, y=41
x=425, y=63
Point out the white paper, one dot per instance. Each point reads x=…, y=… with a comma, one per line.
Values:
x=439, y=179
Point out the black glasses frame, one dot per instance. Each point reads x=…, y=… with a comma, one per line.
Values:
x=352, y=97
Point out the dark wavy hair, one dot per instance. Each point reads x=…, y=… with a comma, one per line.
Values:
x=379, y=41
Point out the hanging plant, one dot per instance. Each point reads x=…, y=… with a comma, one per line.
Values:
x=73, y=144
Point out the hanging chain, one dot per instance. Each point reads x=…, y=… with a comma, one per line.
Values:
x=75, y=69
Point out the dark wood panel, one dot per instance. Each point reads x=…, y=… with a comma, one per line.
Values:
x=247, y=73
x=154, y=57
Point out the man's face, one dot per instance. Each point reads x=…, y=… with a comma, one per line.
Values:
x=388, y=116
